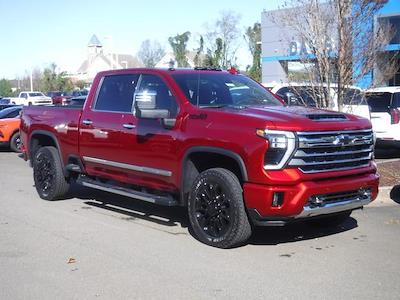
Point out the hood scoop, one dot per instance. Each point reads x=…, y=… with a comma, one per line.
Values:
x=326, y=117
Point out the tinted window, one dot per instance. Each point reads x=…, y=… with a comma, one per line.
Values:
x=379, y=102
x=302, y=95
x=353, y=97
x=282, y=93
x=220, y=89
x=116, y=93
x=35, y=95
x=10, y=112
x=153, y=84
x=396, y=100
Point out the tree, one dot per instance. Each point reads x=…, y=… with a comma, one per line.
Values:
x=337, y=42
x=222, y=40
x=53, y=81
x=214, y=57
x=179, y=47
x=5, y=88
x=253, y=38
x=198, y=60
x=151, y=52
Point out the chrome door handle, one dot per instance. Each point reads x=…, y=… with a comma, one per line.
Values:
x=129, y=126
x=87, y=122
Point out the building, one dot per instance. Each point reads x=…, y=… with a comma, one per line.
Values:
x=100, y=60
x=282, y=51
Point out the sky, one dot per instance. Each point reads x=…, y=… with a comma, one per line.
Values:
x=36, y=33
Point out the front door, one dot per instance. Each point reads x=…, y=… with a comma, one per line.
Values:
x=151, y=147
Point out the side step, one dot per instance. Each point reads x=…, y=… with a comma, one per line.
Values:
x=156, y=199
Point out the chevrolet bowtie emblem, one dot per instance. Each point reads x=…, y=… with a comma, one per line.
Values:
x=343, y=139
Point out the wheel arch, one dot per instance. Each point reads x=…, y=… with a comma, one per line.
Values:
x=198, y=159
x=42, y=138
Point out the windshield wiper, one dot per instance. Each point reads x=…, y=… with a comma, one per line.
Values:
x=213, y=105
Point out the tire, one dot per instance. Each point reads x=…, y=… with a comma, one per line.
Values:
x=330, y=221
x=15, y=142
x=216, y=209
x=48, y=174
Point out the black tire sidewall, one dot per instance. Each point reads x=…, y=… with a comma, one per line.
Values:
x=13, y=144
x=50, y=194
x=233, y=191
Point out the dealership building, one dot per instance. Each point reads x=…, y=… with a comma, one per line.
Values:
x=283, y=54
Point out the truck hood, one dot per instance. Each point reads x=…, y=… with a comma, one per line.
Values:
x=298, y=118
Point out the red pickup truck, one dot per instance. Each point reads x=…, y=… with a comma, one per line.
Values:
x=215, y=142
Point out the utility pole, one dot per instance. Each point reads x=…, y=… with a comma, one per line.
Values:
x=31, y=81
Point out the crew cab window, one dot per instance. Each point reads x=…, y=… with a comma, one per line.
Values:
x=154, y=85
x=116, y=93
x=23, y=95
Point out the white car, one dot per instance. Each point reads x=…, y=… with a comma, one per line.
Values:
x=32, y=98
x=304, y=94
x=385, y=114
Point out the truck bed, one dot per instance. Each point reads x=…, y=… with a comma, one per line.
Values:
x=60, y=121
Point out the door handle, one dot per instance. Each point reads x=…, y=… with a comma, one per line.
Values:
x=87, y=122
x=129, y=126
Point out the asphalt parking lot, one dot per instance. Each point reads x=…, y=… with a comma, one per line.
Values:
x=100, y=246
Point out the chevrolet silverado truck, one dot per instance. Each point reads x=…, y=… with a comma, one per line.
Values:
x=213, y=141
x=32, y=98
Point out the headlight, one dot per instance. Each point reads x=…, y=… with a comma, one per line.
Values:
x=281, y=146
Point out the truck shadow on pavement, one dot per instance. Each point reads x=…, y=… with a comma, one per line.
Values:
x=395, y=194
x=388, y=153
x=131, y=209
x=297, y=232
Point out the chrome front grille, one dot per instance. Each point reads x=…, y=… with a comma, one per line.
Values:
x=332, y=151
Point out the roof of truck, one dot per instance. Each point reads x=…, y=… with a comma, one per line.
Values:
x=385, y=89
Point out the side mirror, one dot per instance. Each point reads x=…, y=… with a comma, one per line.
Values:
x=291, y=99
x=145, y=106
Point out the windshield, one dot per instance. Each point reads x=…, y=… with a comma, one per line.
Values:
x=36, y=94
x=223, y=89
x=353, y=97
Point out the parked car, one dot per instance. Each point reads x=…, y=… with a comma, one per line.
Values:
x=300, y=94
x=9, y=133
x=10, y=112
x=5, y=102
x=32, y=98
x=58, y=97
x=190, y=138
x=76, y=101
x=384, y=103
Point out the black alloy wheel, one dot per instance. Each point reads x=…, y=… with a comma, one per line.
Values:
x=213, y=209
x=216, y=209
x=48, y=174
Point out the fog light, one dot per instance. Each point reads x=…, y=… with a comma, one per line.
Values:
x=277, y=199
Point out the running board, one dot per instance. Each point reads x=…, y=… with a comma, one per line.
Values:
x=156, y=199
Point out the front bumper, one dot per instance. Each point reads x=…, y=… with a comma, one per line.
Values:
x=297, y=204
